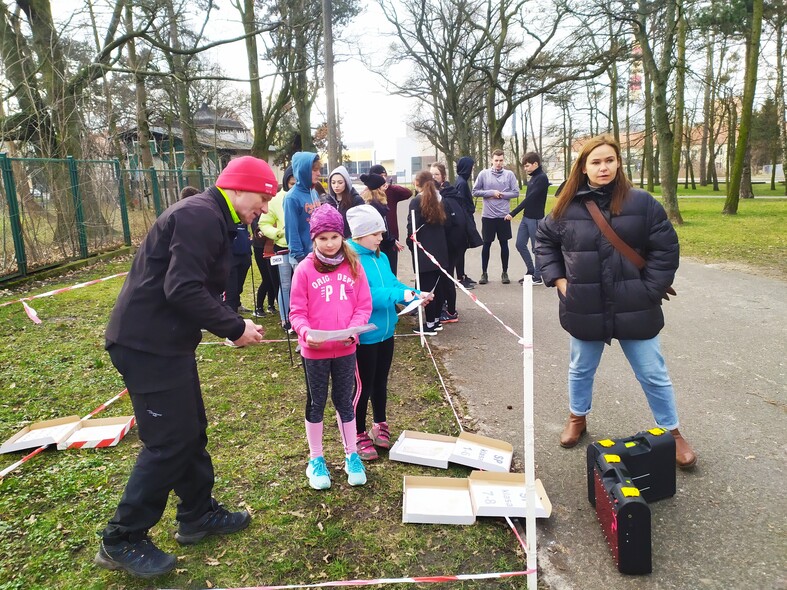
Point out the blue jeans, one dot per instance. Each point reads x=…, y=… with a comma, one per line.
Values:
x=285, y=282
x=527, y=232
x=645, y=359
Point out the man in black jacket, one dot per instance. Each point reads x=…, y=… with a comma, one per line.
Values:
x=533, y=205
x=171, y=292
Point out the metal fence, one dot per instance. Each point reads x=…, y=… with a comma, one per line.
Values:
x=57, y=210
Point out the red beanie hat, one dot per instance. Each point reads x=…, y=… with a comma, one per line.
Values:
x=248, y=173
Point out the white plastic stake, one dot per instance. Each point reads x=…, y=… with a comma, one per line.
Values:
x=417, y=280
x=529, y=418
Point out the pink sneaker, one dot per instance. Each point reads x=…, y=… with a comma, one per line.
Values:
x=381, y=436
x=365, y=447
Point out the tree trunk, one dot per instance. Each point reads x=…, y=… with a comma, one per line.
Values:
x=260, y=144
x=680, y=84
x=141, y=98
x=781, y=99
x=647, y=149
x=746, y=191
x=752, y=57
x=192, y=154
x=706, y=112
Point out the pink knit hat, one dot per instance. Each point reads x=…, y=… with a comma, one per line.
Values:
x=324, y=219
x=248, y=173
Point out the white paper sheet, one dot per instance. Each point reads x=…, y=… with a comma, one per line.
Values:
x=338, y=335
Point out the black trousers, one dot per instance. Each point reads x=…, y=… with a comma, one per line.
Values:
x=374, y=364
x=170, y=414
x=236, y=280
x=269, y=281
x=393, y=255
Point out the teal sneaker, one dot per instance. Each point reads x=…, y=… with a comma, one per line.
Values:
x=318, y=475
x=356, y=473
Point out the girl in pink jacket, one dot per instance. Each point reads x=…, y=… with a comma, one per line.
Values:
x=329, y=292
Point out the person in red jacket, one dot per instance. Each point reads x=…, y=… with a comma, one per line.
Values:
x=329, y=292
x=170, y=293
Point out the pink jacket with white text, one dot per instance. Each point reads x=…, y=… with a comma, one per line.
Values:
x=328, y=301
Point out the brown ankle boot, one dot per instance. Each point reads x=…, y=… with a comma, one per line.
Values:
x=575, y=428
x=684, y=455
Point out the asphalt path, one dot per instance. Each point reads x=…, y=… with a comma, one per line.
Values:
x=724, y=342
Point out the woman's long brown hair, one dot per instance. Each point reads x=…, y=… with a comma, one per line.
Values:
x=431, y=209
x=577, y=178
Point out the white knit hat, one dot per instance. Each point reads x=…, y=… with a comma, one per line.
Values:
x=364, y=220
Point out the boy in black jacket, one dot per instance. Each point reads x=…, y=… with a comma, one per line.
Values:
x=533, y=205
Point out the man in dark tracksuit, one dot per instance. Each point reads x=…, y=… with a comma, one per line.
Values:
x=171, y=292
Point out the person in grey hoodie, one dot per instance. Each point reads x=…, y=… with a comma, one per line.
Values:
x=299, y=203
x=341, y=194
x=497, y=186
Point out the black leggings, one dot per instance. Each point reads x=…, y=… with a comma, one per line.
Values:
x=503, y=255
x=374, y=364
x=427, y=282
x=269, y=281
x=341, y=371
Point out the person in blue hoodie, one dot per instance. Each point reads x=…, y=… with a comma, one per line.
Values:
x=299, y=203
x=375, y=350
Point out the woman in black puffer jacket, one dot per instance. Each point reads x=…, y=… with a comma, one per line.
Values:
x=603, y=295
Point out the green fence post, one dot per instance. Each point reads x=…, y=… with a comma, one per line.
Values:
x=201, y=179
x=79, y=212
x=13, y=213
x=156, y=191
x=123, y=204
x=181, y=181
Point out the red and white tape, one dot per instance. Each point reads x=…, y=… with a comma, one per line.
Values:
x=29, y=456
x=472, y=296
x=33, y=314
x=381, y=581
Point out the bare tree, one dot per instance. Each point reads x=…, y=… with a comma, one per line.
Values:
x=752, y=57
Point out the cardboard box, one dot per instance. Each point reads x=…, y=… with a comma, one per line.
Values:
x=431, y=450
x=505, y=494
x=482, y=452
x=96, y=434
x=437, y=500
x=39, y=434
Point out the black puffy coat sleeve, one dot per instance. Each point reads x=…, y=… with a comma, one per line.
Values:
x=548, y=251
x=663, y=252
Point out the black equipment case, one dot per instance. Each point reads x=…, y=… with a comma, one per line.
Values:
x=649, y=458
x=624, y=516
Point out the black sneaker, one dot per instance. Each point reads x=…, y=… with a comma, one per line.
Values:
x=271, y=309
x=141, y=558
x=467, y=279
x=259, y=312
x=242, y=309
x=538, y=281
x=218, y=521
x=427, y=331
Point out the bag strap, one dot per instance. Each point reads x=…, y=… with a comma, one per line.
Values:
x=614, y=239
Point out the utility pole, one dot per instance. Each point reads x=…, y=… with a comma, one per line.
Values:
x=333, y=131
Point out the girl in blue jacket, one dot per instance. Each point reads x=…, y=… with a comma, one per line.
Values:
x=375, y=350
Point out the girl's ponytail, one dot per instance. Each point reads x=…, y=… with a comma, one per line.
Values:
x=431, y=209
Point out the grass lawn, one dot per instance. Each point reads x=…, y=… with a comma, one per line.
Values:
x=53, y=507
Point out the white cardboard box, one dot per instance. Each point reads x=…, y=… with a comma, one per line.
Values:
x=482, y=452
x=505, y=494
x=437, y=500
x=43, y=433
x=98, y=433
x=421, y=448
